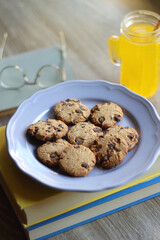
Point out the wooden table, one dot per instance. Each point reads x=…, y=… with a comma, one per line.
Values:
x=87, y=25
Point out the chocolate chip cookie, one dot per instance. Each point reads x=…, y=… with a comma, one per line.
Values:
x=71, y=111
x=84, y=133
x=49, y=152
x=110, y=150
x=129, y=134
x=48, y=130
x=106, y=115
x=77, y=160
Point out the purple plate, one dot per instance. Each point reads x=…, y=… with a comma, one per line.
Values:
x=139, y=113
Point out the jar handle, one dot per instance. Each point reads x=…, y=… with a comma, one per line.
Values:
x=113, y=49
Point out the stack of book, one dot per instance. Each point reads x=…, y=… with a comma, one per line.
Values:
x=45, y=212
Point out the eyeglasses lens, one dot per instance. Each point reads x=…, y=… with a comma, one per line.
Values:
x=12, y=78
x=48, y=76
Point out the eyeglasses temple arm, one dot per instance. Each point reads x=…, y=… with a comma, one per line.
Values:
x=64, y=55
x=3, y=45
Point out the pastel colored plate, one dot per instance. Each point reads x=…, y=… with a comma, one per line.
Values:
x=139, y=113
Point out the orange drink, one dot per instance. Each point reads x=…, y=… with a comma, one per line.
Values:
x=137, y=51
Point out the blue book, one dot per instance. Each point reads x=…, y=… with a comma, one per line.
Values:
x=109, y=205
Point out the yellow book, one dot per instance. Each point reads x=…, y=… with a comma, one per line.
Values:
x=34, y=202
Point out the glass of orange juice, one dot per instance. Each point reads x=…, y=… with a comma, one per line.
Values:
x=137, y=52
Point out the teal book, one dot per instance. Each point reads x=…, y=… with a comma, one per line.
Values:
x=30, y=62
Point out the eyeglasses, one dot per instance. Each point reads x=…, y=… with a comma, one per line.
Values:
x=14, y=77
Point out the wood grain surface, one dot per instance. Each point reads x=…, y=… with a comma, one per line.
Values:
x=87, y=25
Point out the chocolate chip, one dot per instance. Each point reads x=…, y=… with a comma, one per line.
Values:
x=79, y=140
x=53, y=155
x=36, y=129
x=67, y=100
x=117, y=140
x=85, y=165
x=75, y=120
x=96, y=130
x=96, y=149
x=130, y=136
x=117, y=118
x=76, y=146
x=70, y=104
x=83, y=126
x=111, y=146
x=78, y=111
x=82, y=108
x=48, y=139
x=101, y=119
x=60, y=125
